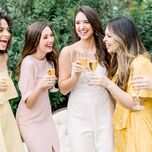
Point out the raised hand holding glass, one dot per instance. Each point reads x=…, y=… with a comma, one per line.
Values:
x=92, y=59
x=51, y=71
x=137, y=105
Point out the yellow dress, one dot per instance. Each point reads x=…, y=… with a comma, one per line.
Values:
x=133, y=129
x=10, y=140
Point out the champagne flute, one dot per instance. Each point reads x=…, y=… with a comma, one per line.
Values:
x=137, y=105
x=51, y=71
x=83, y=59
x=92, y=59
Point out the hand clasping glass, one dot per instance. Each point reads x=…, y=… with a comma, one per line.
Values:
x=51, y=71
x=5, y=77
x=137, y=105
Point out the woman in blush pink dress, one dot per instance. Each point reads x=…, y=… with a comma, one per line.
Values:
x=34, y=115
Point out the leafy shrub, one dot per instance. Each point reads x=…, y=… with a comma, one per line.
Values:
x=60, y=15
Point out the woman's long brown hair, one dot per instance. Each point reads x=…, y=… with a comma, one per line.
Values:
x=9, y=22
x=32, y=39
x=103, y=55
x=126, y=35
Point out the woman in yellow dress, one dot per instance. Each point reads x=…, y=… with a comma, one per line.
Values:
x=129, y=58
x=10, y=140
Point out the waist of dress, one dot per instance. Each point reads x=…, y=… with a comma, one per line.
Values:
x=86, y=86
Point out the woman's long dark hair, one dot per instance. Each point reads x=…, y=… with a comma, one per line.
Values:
x=9, y=22
x=103, y=55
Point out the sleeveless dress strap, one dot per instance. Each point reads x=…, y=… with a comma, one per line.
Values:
x=73, y=54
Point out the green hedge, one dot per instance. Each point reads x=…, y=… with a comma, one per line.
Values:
x=60, y=15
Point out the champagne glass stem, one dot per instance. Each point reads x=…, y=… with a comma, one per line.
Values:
x=51, y=71
x=137, y=105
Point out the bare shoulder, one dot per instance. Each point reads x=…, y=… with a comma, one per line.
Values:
x=67, y=49
x=67, y=52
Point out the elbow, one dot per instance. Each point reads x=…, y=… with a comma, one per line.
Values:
x=63, y=89
x=64, y=93
x=128, y=105
x=29, y=105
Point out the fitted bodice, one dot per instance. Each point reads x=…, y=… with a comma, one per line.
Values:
x=83, y=82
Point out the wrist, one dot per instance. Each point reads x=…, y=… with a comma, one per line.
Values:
x=110, y=84
x=39, y=89
x=74, y=77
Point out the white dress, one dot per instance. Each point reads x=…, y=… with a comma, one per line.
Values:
x=90, y=112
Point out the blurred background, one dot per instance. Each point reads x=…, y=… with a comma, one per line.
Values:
x=60, y=14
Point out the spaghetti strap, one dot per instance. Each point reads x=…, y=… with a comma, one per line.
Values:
x=73, y=55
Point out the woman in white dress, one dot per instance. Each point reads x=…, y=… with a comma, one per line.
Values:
x=90, y=108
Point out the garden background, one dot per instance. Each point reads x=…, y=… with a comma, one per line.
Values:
x=60, y=14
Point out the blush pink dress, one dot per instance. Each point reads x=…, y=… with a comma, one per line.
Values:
x=36, y=124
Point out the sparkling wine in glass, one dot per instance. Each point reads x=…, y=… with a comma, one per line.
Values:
x=137, y=105
x=51, y=71
x=92, y=59
x=83, y=59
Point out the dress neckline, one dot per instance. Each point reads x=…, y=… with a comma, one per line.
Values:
x=36, y=59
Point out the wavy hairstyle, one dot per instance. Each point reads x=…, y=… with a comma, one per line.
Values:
x=103, y=55
x=32, y=39
x=9, y=22
x=126, y=34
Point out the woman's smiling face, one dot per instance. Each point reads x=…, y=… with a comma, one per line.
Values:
x=82, y=26
x=5, y=34
x=110, y=42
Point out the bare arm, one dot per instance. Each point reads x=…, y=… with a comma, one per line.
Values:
x=30, y=89
x=124, y=98
x=45, y=84
x=69, y=72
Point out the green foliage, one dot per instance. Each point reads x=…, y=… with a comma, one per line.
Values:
x=60, y=14
x=58, y=101
x=143, y=19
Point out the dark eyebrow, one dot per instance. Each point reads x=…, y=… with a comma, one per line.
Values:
x=44, y=35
